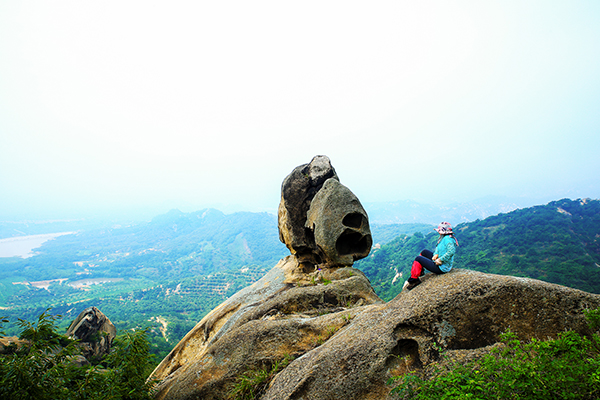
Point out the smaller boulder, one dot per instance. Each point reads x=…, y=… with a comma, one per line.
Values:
x=94, y=331
x=8, y=344
x=79, y=361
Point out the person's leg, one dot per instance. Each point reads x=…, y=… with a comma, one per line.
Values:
x=415, y=272
x=427, y=254
x=428, y=264
x=420, y=263
x=423, y=260
x=417, y=268
x=433, y=267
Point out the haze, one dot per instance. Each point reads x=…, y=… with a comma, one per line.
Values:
x=121, y=106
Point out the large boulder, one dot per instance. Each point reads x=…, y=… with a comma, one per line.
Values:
x=297, y=191
x=460, y=312
x=345, y=343
x=320, y=220
x=94, y=331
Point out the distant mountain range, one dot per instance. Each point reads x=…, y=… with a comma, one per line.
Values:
x=558, y=242
x=409, y=211
x=174, y=245
x=380, y=213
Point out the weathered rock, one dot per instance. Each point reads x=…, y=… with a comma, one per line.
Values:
x=78, y=361
x=339, y=224
x=259, y=325
x=8, y=344
x=344, y=341
x=95, y=332
x=459, y=311
x=320, y=220
x=297, y=191
x=342, y=349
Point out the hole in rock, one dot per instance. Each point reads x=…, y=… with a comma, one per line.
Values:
x=352, y=242
x=309, y=235
x=405, y=355
x=353, y=220
x=474, y=338
x=330, y=299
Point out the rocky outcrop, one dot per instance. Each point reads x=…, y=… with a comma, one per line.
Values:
x=461, y=312
x=274, y=317
x=345, y=343
x=320, y=220
x=94, y=331
x=314, y=309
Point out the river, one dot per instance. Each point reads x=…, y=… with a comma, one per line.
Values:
x=23, y=246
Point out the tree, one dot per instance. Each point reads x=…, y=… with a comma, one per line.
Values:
x=43, y=368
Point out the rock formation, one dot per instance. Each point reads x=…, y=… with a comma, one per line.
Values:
x=347, y=344
x=320, y=220
x=297, y=191
x=8, y=344
x=342, y=340
x=462, y=312
x=95, y=332
x=258, y=325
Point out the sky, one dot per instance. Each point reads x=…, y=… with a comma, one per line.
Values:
x=142, y=105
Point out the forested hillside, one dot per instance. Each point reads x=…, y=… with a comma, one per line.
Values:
x=172, y=246
x=558, y=242
x=166, y=274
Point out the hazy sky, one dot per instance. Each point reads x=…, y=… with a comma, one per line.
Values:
x=141, y=104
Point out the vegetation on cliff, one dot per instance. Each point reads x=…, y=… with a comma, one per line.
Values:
x=563, y=368
x=44, y=367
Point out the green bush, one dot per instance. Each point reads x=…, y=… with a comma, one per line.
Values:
x=43, y=368
x=567, y=367
x=252, y=384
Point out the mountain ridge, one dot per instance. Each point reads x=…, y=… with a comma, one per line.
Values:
x=558, y=242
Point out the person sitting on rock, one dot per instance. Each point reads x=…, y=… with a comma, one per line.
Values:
x=438, y=262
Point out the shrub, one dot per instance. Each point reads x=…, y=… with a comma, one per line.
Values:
x=567, y=367
x=43, y=368
x=252, y=384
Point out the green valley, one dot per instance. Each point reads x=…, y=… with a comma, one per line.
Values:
x=166, y=274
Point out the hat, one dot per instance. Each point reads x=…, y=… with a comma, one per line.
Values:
x=444, y=228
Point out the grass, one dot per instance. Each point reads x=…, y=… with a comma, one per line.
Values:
x=253, y=383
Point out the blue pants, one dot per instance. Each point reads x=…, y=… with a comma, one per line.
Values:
x=424, y=260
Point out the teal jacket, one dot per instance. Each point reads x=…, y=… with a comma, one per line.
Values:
x=445, y=250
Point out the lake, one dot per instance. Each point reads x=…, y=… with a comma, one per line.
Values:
x=22, y=246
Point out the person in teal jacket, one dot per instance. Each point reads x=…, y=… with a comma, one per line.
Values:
x=438, y=262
